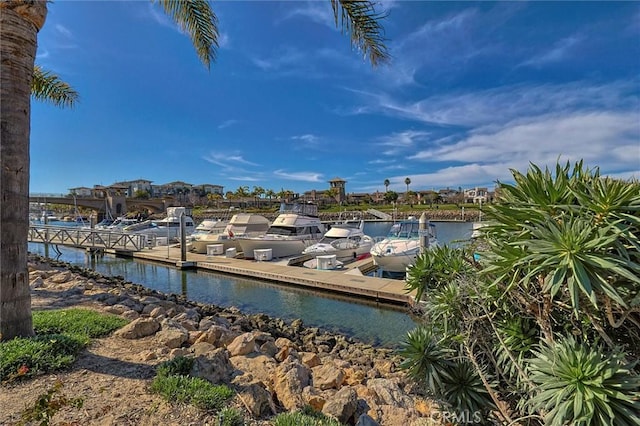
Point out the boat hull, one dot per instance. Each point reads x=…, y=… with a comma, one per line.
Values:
x=350, y=252
x=200, y=245
x=279, y=247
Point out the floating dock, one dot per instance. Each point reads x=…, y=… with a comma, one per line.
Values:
x=347, y=280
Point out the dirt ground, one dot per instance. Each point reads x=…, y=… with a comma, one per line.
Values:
x=111, y=377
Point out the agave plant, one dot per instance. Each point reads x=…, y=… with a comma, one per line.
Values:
x=464, y=390
x=436, y=267
x=574, y=231
x=426, y=358
x=518, y=336
x=581, y=385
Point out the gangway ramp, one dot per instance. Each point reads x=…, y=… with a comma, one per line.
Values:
x=87, y=238
x=379, y=214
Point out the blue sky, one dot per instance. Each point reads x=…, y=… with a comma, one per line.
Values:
x=473, y=90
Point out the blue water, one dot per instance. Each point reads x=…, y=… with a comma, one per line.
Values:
x=373, y=323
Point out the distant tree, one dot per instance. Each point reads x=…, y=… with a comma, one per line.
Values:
x=332, y=193
x=411, y=197
x=242, y=192
x=214, y=197
x=141, y=194
x=391, y=196
x=407, y=182
x=258, y=192
x=386, y=185
x=270, y=193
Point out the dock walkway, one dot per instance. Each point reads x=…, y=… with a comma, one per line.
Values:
x=347, y=281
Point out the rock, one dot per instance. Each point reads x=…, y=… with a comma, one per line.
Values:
x=130, y=315
x=213, y=366
x=172, y=337
x=313, y=398
x=310, y=359
x=61, y=277
x=139, y=328
x=353, y=376
x=37, y=282
x=255, y=397
x=290, y=379
x=269, y=348
x=389, y=393
x=259, y=367
x=366, y=420
x=242, y=345
x=342, y=405
x=201, y=348
x=327, y=376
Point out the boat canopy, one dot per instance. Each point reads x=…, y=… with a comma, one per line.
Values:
x=301, y=209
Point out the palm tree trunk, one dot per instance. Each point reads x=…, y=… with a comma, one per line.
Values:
x=20, y=22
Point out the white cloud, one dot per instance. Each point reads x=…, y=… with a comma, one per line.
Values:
x=63, y=30
x=299, y=176
x=501, y=104
x=318, y=12
x=585, y=135
x=557, y=53
x=227, y=159
x=223, y=40
x=309, y=138
x=227, y=123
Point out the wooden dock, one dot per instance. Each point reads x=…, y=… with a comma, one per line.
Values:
x=346, y=281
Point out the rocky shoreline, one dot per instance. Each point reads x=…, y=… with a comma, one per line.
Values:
x=274, y=366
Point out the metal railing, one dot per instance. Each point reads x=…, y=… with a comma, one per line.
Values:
x=87, y=238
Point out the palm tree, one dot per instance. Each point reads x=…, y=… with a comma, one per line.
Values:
x=386, y=185
x=20, y=22
x=407, y=182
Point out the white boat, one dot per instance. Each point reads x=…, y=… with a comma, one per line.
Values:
x=240, y=225
x=207, y=227
x=48, y=216
x=120, y=223
x=346, y=240
x=401, y=246
x=296, y=228
x=168, y=227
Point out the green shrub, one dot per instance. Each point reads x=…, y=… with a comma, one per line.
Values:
x=178, y=366
x=307, y=417
x=76, y=321
x=191, y=390
x=581, y=385
x=27, y=357
x=230, y=417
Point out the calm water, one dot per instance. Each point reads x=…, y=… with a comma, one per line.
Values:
x=373, y=323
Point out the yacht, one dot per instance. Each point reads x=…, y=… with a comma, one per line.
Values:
x=346, y=240
x=402, y=245
x=296, y=228
x=240, y=225
x=168, y=227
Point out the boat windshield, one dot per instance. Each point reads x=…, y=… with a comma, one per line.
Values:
x=291, y=231
x=301, y=209
x=404, y=230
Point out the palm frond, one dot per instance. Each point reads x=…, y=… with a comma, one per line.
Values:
x=362, y=22
x=48, y=87
x=197, y=19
